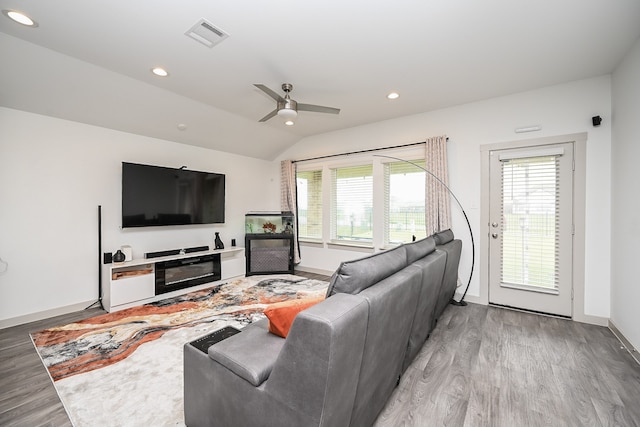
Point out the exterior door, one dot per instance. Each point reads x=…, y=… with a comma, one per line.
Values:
x=531, y=228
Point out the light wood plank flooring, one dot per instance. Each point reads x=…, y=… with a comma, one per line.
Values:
x=489, y=366
x=482, y=366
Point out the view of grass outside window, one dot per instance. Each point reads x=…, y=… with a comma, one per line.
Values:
x=404, y=202
x=309, y=184
x=352, y=203
x=530, y=229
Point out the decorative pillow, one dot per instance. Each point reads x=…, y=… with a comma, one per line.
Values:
x=281, y=314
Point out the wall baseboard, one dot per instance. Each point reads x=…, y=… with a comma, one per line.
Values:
x=315, y=271
x=41, y=315
x=584, y=318
x=625, y=342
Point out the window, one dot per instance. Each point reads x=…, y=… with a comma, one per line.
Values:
x=530, y=196
x=404, y=194
x=352, y=203
x=365, y=201
x=309, y=185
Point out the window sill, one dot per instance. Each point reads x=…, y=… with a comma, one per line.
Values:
x=311, y=242
x=362, y=247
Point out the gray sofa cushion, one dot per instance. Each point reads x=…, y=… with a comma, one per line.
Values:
x=443, y=237
x=420, y=249
x=432, y=267
x=354, y=276
x=253, y=366
x=392, y=305
x=453, y=250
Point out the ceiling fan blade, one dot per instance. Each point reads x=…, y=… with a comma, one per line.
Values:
x=269, y=92
x=318, y=108
x=268, y=116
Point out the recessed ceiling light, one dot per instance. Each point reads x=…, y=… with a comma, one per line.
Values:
x=289, y=123
x=20, y=18
x=393, y=95
x=158, y=71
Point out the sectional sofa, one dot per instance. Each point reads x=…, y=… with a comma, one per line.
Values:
x=342, y=357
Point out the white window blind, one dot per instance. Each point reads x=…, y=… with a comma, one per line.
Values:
x=309, y=186
x=352, y=203
x=530, y=228
x=404, y=198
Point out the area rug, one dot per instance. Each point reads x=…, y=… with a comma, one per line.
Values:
x=125, y=368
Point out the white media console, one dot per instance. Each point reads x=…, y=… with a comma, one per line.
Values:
x=141, y=281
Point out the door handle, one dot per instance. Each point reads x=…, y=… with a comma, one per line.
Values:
x=494, y=235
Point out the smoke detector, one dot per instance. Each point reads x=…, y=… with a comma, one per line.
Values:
x=206, y=33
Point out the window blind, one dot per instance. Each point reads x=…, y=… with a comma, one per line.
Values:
x=309, y=185
x=352, y=203
x=530, y=222
x=404, y=201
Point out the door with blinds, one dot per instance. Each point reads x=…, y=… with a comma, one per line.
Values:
x=531, y=228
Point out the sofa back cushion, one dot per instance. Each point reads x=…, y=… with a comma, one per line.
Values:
x=443, y=237
x=424, y=321
x=419, y=249
x=392, y=304
x=453, y=250
x=352, y=277
x=316, y=373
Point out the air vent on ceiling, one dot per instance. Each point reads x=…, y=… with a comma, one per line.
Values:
x=206, y=33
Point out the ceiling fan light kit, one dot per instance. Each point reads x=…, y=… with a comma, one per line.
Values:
x=287, y=108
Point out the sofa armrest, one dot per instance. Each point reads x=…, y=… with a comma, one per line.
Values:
x=250, y=354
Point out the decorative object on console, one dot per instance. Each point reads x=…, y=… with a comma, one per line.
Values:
x=128, y=252
x=218, y=241
x=119, y=256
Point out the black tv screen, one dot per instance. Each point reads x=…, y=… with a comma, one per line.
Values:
x=156, y=196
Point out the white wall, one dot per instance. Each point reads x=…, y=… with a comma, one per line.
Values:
x=561, y=109
x=54, y=174
x=625, y=292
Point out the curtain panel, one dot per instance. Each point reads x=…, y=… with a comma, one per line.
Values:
x=437, y=199
x=289, y=200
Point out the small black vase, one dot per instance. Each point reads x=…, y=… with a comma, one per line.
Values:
x=118, y=256
x=218, y=242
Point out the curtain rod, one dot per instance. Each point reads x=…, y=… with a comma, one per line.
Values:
x=361, y=151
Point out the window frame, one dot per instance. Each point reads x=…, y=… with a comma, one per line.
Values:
x=377, y=160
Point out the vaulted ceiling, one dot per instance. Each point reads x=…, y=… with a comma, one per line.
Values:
x=91, y=61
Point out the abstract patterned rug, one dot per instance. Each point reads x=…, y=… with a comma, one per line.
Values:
x=125, y=368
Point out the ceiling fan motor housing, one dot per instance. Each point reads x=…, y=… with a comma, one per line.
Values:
x=287, y=104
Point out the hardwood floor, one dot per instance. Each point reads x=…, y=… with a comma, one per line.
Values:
x=27, y=396
x=482, y=366
x=489, y=366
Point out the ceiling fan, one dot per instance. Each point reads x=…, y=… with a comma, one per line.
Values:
x=287, y=108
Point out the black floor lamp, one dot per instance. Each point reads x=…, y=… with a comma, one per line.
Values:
x=473, y=246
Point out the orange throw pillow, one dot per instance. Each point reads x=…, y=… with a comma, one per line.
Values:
x=281, y=314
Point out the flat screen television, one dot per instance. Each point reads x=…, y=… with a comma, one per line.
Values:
x=157, y=196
